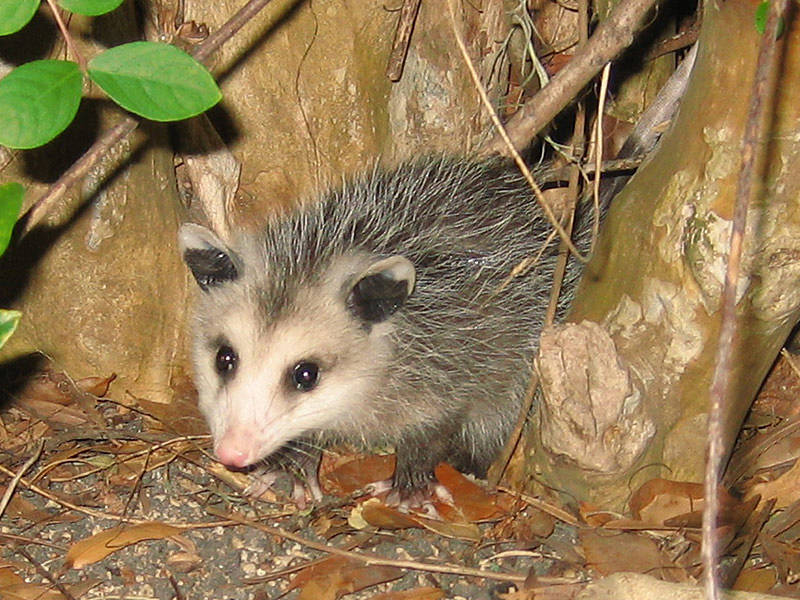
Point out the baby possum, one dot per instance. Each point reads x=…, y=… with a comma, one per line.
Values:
x=390, y=311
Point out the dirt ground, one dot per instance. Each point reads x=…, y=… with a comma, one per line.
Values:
x=103, y=499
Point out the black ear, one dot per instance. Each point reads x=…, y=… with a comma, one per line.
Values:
x=210, y=261
x=382, y=288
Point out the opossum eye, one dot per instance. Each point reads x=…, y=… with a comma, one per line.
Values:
x=305, y=376
x=226, y=361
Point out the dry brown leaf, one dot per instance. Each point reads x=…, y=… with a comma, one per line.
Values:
x=610, y=553
x=593, y=515
x=732, y=514
x=342, y=475
x=660, y=499
x=336, y=576
x=19, y=507
x=100, y=545
x=55, y=398
x=756, y=580
x=44, y=388
x=30, y=591
x=779, y=541
x=527, y=524
x=96, y=386
x=783, y=489
x=377, y=514
x=473, y=503
x=184, y=562
x=56, y=415
x=181, y=416
x=8, y=577
x=423, y=593
x=37, y=591
x=461, y=531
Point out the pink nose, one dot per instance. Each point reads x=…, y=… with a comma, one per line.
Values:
x=233, y=450
x=232, y=457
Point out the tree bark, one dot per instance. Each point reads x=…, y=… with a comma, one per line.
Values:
x=655, y=282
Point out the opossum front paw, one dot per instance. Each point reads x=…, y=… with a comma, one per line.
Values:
x=405, y=499
x=305, y=486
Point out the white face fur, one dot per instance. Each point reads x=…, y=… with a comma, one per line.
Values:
x=261, y=404
x=316, y=368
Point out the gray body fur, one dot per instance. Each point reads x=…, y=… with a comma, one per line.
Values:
x=440, y=374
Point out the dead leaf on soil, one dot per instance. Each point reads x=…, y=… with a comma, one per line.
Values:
x=473, y=503
x=778, y=540
x=56, y=399
x=184, y=562
x=375, y=513
x=783, y=489
x=341, y=475
x=593, y=515
x=19, y=507
x=336, y=576
x=423, y=593
x=756, y=580
x=609, y=553
x=548, y=592
x=660, y=499
x=38, y=591
x=100, y=545
x=181, y=416
x=8, y=576
x=679, y=504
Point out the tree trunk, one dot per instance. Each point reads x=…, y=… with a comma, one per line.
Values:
x=627, y=400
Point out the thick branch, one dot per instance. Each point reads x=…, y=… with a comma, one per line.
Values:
x=119, y=132
x=610, y=38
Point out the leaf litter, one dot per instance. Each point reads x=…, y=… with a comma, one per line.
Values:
x=125, y=497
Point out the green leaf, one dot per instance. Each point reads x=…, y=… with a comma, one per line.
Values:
x=90, y=8
x=157, y=81
x=762, y=13
x=11, y=195
x=9, y=319
x=37, y=102
x=15, y=14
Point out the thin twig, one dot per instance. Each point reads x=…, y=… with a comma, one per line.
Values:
x=598, y=151
x=388, y=562
x=614, y=165
x=752, y=151
x=553, y=511
x=122, y=518
x=501, y=130
x=120, y=460
x=65, y=34
x=42, y=207
x=790, y=361
x=402, y=38
x=39, y=210
x=573, y=189
x=502, y=461
x=214, y=41
x=612, y=36
x=38, y=541
x=45, y=574
x=18, y=476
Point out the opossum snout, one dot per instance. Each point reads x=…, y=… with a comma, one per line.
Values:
x=235, y=449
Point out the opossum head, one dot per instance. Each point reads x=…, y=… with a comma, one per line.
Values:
x=279, y=357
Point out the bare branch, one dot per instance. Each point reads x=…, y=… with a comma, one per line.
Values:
x=610, y=38
x=37, y=212
x=719, y=442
